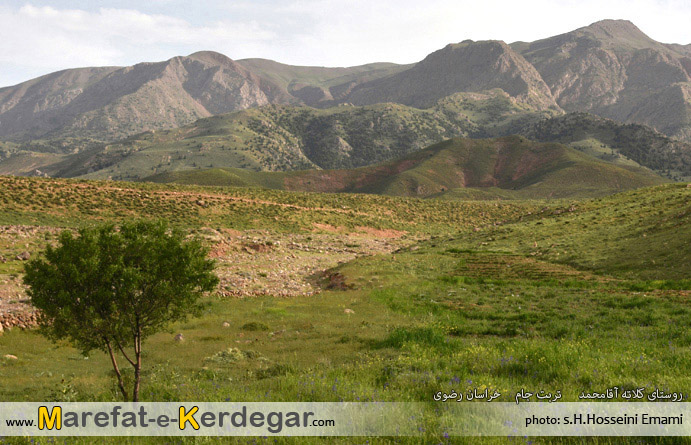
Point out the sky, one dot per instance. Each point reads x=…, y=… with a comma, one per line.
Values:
x=40, y=37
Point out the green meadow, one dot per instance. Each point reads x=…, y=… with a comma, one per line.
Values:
x=569, y=295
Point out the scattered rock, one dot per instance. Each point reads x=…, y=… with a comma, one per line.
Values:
x=272, y=334
x=3, y=259
x=251, y=263
x=10, y=357
x=257, y=247
x=24, y=256
x=225, y=324
x=21, y=316
x=179, y=338
x=349, y=311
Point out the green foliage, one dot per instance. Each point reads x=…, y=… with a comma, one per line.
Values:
x=645, y=146
x=108, y=288
x=255, y=326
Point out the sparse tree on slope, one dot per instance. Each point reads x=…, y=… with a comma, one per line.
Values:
x=109, y=289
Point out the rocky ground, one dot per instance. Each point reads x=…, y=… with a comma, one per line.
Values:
x=17, y=245
x=288, y=265
x=249, y=263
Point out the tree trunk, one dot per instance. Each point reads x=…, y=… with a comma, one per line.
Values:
x=138, y=365
x=121, y=384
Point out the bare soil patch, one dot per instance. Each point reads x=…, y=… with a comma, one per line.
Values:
x=249, y=263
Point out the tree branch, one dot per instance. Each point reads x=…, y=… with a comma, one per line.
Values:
x=122, y=350
x=121, y=384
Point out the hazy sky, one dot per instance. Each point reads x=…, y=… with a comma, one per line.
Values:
x=39, y=37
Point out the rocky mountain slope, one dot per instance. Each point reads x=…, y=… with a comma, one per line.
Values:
x=609, y=68
x=612, y=69
x=319, y=86
x=111, y=103
x=207, y=111
x=467, y=66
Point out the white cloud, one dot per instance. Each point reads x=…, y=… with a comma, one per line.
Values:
x=40, y=39
x=47, y=39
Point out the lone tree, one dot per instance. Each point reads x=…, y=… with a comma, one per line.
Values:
x=108, y=289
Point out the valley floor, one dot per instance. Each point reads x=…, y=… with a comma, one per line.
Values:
x=395, y=301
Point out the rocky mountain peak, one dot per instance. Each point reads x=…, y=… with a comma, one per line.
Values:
x=466, y=66
x=618, y=34
x=211, y=58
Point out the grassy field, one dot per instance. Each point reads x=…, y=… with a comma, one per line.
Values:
x=71, y=203
x=568, y=295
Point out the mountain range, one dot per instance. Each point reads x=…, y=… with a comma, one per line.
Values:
x=206, y=110
x=609, y=68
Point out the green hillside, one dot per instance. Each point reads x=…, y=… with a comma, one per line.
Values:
x=643, y=233
x=74, y=203
x=288, y=138
x=509, y=167
x=44, y=156
x=276, y=138
x=627, y=144
x=284, y=138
